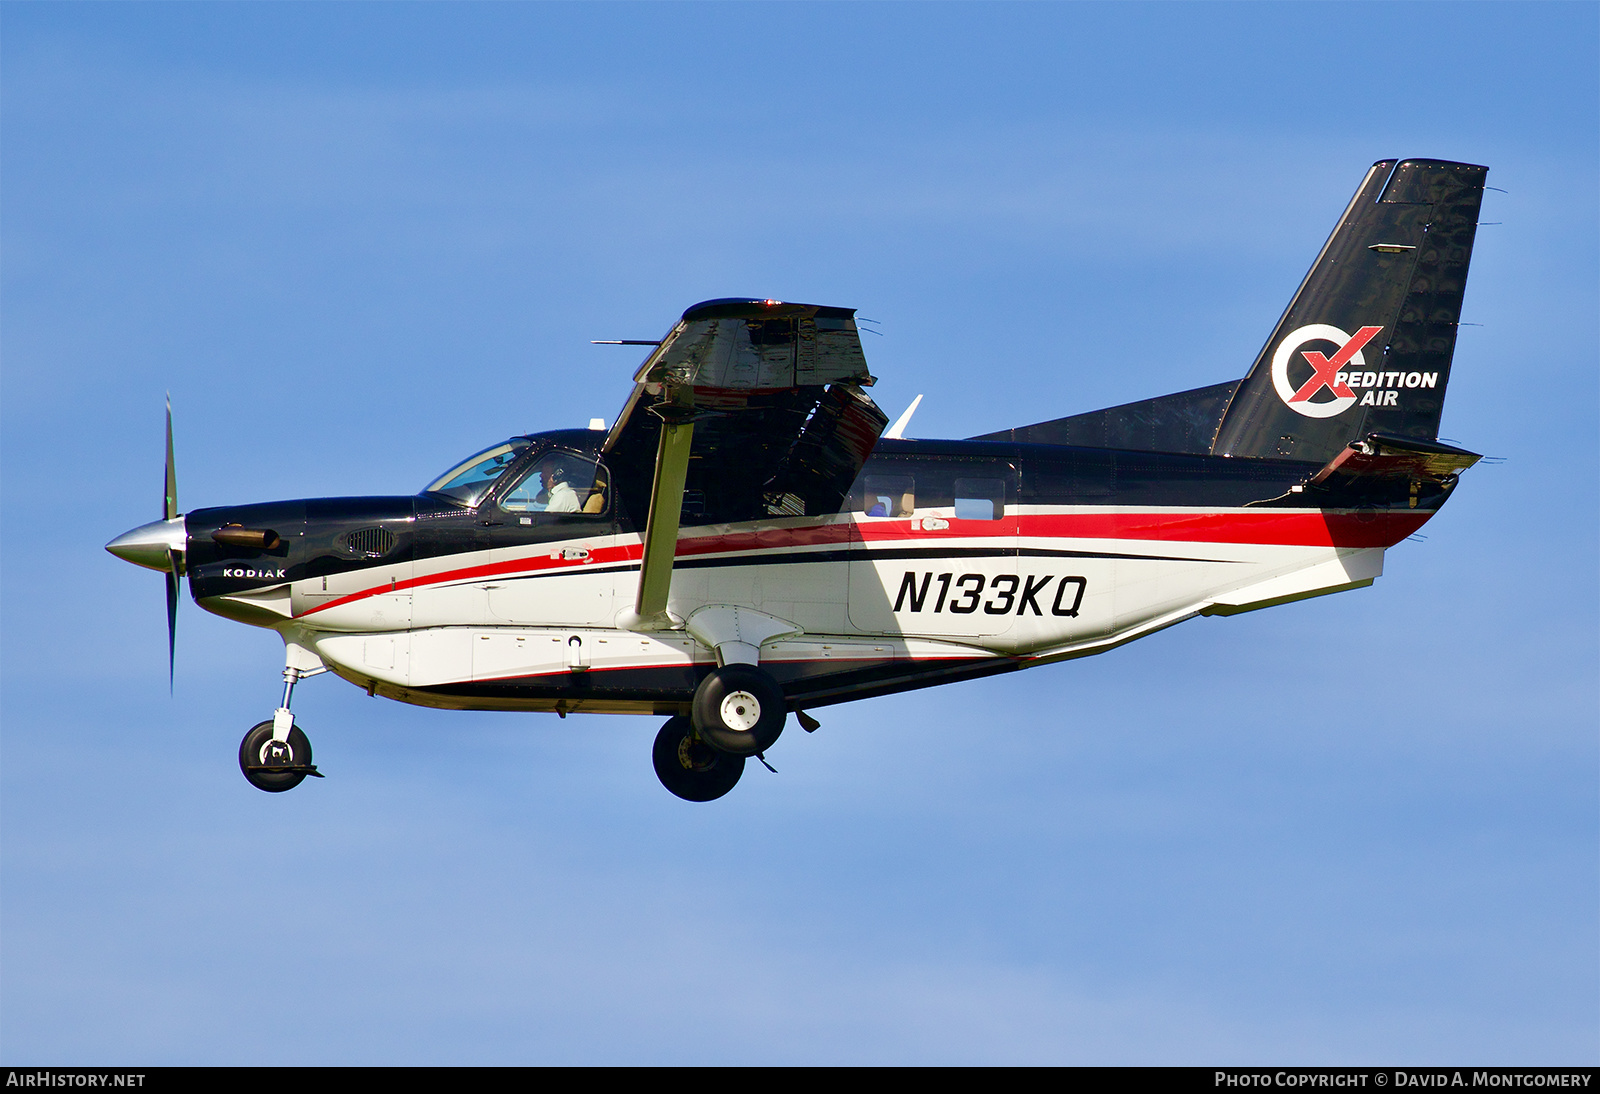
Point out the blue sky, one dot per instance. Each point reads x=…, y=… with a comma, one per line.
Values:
x=359, y=241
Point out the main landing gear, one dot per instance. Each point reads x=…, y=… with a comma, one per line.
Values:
x=737, y=712
x=689, y=767
x=275, y=755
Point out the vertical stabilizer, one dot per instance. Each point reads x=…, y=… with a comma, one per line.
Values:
x=1365, y=345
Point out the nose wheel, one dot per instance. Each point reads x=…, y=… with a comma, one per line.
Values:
x=273, y=765
x=275, y=755
x=689, y=767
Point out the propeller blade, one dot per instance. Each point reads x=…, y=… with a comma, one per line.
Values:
x=172, y=617
x=169, y=511
x=169, y=504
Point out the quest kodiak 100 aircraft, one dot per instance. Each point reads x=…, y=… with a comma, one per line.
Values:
x=745, y=541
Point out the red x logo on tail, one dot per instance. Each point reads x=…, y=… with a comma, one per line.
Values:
x=1325, y=369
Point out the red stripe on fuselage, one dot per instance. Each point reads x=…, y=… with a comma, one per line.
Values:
x=505, y=568
x=1373, y=528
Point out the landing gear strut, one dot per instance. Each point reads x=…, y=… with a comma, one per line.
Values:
x=689, y=767
x=275, y=755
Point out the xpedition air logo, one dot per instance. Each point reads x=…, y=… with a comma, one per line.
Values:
x=1341, y=375
x=1330, y=373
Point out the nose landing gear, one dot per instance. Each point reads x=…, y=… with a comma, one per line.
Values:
x=275, y=755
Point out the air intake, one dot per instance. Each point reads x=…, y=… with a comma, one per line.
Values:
x=367, y=542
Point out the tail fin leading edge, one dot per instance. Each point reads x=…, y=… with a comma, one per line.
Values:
x=1365, y=345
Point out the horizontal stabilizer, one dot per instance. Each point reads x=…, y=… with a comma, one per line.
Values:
x=1384, y=456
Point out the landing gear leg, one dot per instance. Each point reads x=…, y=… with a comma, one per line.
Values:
x=275, y=755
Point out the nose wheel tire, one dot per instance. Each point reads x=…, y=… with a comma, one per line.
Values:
x=689, y=767
x=275, y=766
x=739, y=709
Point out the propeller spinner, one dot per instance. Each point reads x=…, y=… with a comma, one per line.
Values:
x=160, y=545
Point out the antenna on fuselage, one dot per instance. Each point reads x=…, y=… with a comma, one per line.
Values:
x=897, y=431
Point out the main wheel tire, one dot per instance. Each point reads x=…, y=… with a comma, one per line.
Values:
x=739, y=709
x=258, y=750
x=689, y=767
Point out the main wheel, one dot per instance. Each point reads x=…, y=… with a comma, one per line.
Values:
x=689, y=767
x=739, y=709
x=258, y=750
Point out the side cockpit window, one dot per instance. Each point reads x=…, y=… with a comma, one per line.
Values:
x=561, y=483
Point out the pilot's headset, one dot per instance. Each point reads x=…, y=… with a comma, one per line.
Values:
x=557, y=472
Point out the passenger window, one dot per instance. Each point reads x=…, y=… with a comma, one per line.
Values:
x=559, y=483
x=980, y=499
x=889, y=496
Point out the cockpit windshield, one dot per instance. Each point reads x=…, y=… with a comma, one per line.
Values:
x=470, y=479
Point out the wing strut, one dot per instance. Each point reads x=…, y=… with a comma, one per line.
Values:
x=661, y=528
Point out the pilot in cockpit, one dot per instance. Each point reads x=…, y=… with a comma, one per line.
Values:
x=558, y=494
x=558, y=484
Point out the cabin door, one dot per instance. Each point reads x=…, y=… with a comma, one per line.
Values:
x=934, y=549
x=554, y=561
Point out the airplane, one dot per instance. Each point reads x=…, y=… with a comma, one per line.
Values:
x=747, y=540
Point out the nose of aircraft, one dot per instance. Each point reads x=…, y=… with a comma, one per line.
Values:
x=151, y=545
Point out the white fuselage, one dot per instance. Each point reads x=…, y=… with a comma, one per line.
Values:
x=905, y=596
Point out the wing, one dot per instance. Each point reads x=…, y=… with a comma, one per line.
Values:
x=747, y=409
